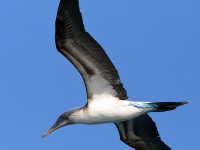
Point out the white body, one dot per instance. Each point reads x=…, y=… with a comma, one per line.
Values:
x=108, y=109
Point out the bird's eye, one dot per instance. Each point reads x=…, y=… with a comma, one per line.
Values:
x=60, y=119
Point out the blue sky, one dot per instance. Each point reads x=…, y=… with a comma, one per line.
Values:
x=155, y=45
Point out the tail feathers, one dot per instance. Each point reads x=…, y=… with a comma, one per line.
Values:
x=166, y=106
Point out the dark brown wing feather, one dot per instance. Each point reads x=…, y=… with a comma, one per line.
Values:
x=141, y=133
x=82, y=50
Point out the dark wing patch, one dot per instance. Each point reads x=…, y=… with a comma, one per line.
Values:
x=82, y=50
x=141, y=133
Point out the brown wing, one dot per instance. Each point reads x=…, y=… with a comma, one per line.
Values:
x=141, y=133
x=78, y=46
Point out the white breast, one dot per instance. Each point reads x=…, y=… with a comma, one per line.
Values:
x=107, y=109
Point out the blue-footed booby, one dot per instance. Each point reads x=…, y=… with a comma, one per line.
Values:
x=107, y=100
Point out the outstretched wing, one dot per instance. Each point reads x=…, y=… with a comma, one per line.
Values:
x=141, y=133
x=79, y=47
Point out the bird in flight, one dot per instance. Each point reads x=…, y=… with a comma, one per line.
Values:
x=107, y=100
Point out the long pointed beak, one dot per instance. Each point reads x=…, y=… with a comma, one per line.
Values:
x=48, y=132
x=56, y=126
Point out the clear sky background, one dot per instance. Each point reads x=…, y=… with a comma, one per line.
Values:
x=154, y=44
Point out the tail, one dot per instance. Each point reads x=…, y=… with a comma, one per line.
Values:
x=166, y=106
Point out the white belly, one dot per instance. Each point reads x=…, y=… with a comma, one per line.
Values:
x=108, y=111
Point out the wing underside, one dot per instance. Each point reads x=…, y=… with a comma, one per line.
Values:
x=141, y=133
x=79, y=47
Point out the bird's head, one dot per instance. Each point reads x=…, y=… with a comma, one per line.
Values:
x=65, y=119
